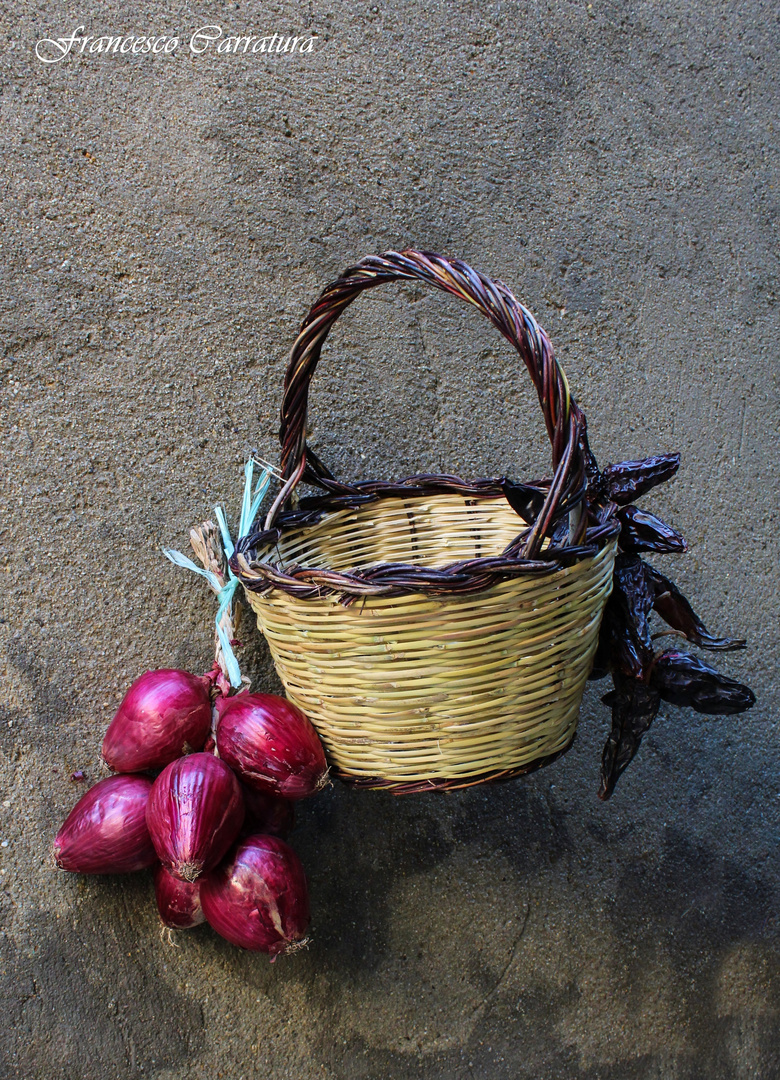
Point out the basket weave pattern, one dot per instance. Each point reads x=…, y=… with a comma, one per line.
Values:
x=417, y=688
x=435, y=635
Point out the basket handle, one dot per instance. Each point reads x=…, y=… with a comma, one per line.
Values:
x=564, y=420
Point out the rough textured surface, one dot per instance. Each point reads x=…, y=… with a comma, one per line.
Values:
x=165, y=223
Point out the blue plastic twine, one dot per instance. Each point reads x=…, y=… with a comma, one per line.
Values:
x=250, y=507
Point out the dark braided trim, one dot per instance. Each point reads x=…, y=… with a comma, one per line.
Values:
x=563, y=419
x=399, y=579
x=312, y=508
x=418, y=787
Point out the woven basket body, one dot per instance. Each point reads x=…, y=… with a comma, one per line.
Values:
x=420, y=688
x=435, y=635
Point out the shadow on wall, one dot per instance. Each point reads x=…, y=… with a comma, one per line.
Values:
x=498, y=925
x=72, y=1001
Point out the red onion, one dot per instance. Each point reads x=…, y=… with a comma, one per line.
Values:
x=267, y=813
x=271, y=745
x=177, y=901
x=105, y=832
x=194, y=814
x=258, y=899
x=163, y=715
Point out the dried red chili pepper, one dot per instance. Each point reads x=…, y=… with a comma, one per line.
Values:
x=682, y=679
x=642, y=531
x=642, y=680
x=628, y=480
x=629, y=642
x=675, y=610
x=634, y=707
x=525, y=500
x=602, y=657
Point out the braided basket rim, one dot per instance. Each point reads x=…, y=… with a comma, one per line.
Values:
x=311, y=582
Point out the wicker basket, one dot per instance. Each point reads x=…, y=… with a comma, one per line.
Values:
x=437, y=632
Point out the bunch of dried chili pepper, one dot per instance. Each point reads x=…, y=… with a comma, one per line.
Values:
x=642, y=678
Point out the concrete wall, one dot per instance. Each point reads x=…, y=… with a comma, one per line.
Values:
x=166, y=221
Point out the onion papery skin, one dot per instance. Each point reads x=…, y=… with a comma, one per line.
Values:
x=164, y=714
x=106, y=831
x=271, y=745
x=178, y=902
x=194, y=814
x=267, y=814
x=258, y=899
